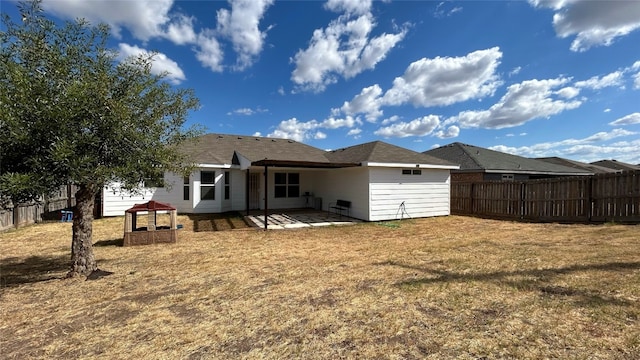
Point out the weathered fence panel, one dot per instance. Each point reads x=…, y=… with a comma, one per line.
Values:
x=47, y=209
x=599, y=198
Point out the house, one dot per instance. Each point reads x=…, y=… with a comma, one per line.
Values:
x=480, y=164
x=241, y=173
x=578, y=165
x=616, y=165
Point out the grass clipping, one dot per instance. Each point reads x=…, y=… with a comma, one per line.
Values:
x=448, y=287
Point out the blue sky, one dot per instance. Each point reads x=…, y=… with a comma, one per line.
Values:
x=534, y=78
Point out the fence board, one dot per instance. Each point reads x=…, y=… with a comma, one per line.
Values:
x=599, y=198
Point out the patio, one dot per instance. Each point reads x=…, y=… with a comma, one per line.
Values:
x=294, y=219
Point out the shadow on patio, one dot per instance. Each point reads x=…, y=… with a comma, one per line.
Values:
x=297, y=218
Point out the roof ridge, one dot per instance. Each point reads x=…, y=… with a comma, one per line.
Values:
x=468, y=153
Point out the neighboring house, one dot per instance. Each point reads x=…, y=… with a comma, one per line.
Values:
x=578, y=165
x=480, y=164
x=381, y=181
x=616, y=165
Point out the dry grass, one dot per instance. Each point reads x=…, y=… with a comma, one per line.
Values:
x=452, y=287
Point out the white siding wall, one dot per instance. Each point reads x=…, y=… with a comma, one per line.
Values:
x=423, y=195
x=116, y=202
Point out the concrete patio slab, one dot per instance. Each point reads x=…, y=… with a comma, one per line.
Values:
x=295, y=219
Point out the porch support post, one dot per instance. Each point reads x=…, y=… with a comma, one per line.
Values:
x=266, y=196
x=246, y=192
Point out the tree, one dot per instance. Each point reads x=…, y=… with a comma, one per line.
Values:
x=70, y=113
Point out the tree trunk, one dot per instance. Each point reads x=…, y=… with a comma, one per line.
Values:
x=82, y=260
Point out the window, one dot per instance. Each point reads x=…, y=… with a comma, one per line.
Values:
x=507, y=177
x=287, y=185
x=406, y=172
x=417, y=172
x=227, y=185
x=185, y=188
x=207, y=185
x=411, y=172
x=155, y=181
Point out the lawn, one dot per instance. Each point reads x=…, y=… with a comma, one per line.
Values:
x=439, y=288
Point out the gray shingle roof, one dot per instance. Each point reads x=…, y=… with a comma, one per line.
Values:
x=577, y=165
x=220, y=149
x=616, y=165
x=480, y=159
x=381, y=152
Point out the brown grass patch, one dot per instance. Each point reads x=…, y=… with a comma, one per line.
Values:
x=450, y=287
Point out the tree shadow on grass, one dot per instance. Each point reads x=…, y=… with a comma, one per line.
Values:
x=111, y=242
x=218, y=222
x=15, y=271
x=541, y=283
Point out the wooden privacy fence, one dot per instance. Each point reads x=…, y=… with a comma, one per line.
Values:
x=25, y=214
x=598, y=198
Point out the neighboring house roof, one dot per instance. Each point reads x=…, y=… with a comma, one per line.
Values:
x=381, y=152
x=227, y=149
x=577, y=165
x=617, y=165
x=474, y=158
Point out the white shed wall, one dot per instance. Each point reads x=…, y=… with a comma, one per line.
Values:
x=423, y=195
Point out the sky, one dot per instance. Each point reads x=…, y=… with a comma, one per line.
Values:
x=534, y=78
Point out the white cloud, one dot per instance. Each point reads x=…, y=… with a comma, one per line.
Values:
x=149, y=19
x=208, y=51
x=300, y=131
x=451, y=132
x=356, y=7
x=143, y=18
x=160, y=63
x=597, y=83
x=320, y=135
x=367, y=102
x=247, y=111
x=594, y=23
x=523, y=102
x=240, y=26
x=630, y=119
x=607, y=110
x=515, y=71
x=447, y=80
x=390, y=120
x=417, y=127
x=585, y=149
x=568, y=92
x=344, y=48
x=354, y=132
x=333, y=123
x=636, y=77
x=181, y=31
x=292, y=129
x=281, y=91
x=443, y=10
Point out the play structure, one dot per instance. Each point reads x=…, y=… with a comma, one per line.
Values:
x=152, y=233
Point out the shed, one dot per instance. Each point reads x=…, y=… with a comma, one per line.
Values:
x=151, y=233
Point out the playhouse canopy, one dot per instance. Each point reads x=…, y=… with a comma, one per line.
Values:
x=150, y=206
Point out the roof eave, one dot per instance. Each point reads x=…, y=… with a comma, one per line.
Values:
x=411, y=165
